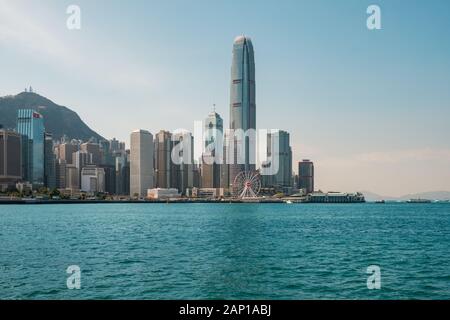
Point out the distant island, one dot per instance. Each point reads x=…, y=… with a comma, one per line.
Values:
x=431, y=195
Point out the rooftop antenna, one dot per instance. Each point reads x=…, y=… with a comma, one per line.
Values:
x=214, y=107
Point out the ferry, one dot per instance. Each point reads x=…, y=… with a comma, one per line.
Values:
x=419, y=201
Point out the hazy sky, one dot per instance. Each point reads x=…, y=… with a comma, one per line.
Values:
x=370, y=108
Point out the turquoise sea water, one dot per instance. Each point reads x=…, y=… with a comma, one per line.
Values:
x=225, y=251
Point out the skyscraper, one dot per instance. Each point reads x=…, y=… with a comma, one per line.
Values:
x=94, y=149
x=65, y=151
x=213, y=126
x=306, y=176
x=242, y=104
x=50, y=163
x=141, y=163
x=279, y=153
x=183, y=172
x=81, y=159
x=10, y=158
x=30, y=124
x=163, y=163
x=123, y=173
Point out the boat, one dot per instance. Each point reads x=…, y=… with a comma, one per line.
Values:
x=419, y=201
x=380, y=201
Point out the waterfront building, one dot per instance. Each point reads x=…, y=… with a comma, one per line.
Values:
x=73, y=177
x=210, y=170
x=92, y=179
x=206, y=193
x=163, y=193
x=27, y=146
x=306, y=176
x=163, y=163
x=122, y=174
x=61, y=173
x=110, y=178
x=279, y=155
x=30, y=124
x=141, y=163
x=50, y=162
x=10, y=158
x=225, y=167
x=335, y=197
x=183, y=173
x=242, y=105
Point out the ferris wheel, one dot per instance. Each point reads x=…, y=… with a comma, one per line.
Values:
x=247, y=184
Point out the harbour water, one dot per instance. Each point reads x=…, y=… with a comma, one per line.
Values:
x=225, y=251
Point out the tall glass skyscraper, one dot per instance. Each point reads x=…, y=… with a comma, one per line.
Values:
x=30, y=124
x=213, y=127
x=242, y=103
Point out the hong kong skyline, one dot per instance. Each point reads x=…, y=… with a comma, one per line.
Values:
x=370, y=108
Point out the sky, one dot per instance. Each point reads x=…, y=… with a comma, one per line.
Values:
x=371, y=108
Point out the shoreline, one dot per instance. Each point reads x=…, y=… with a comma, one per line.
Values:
x=182, y=201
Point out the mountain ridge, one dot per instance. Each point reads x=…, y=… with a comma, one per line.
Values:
x=59, y=120
x=430, y=195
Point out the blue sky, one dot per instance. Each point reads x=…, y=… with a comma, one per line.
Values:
x=371, y=108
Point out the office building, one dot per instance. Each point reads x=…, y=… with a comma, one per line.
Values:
x=10, y=159
x=306, y=176
x=30, y=124
x=61, y=166
x=163, y=162
x=242, y=106
x=50, y=162
x=93, y=179
x=183, y=172
x=73, y=177
x=66, y=150
x=94, y=149
x=141, y=163
x=123, y=174
x=210, y=170
x=279, y=156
